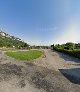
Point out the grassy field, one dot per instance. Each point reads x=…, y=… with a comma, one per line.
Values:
x=25, y=55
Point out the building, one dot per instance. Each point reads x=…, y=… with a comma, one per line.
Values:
x=3, y=34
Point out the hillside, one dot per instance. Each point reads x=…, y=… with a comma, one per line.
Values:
x=10, y=41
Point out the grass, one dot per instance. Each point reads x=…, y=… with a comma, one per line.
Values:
x=25, y=55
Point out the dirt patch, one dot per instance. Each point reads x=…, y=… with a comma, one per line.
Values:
x=40, y=76
x=35, y=75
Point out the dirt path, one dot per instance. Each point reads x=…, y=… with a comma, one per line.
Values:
x=43, y=75
x=67, y=65
x=56, y=60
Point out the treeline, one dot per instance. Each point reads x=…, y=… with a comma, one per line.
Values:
x=12, y=42
x=40, y=47
x=68, y=48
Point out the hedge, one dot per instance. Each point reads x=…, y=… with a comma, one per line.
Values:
x=75, y=53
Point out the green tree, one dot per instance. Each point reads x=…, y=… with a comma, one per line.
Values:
x=10, y=41
x=70, y=46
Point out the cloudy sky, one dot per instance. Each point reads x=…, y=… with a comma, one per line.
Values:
x=41, y=22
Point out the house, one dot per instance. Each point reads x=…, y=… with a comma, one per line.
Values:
x=3, y=34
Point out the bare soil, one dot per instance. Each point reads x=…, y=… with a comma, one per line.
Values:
x=52, y=73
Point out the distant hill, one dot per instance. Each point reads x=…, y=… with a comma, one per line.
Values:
x=10, y=41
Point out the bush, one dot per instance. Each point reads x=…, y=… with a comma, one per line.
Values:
x=75, y=53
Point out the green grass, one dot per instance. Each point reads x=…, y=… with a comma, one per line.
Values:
x=25, y=55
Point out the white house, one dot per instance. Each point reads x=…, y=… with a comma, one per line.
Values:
x=2, y=34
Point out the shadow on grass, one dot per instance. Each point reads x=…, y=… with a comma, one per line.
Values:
x=72, y=75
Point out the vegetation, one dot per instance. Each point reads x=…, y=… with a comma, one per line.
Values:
x=68, y=48
x=25, y=55
x=12, y=42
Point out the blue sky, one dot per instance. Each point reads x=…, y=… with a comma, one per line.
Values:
x=41, y=22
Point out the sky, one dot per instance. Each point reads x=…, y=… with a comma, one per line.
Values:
x=41, y=22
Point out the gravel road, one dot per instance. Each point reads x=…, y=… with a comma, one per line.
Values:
x=55, y=72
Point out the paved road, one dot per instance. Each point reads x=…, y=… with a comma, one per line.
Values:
x=47, y=74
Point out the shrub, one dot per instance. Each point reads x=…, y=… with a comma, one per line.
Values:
x=75, y=53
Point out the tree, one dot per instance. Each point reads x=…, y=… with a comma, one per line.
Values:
x=52, y=46
x=58, y=46
x=10, y=41
x=69, y=45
